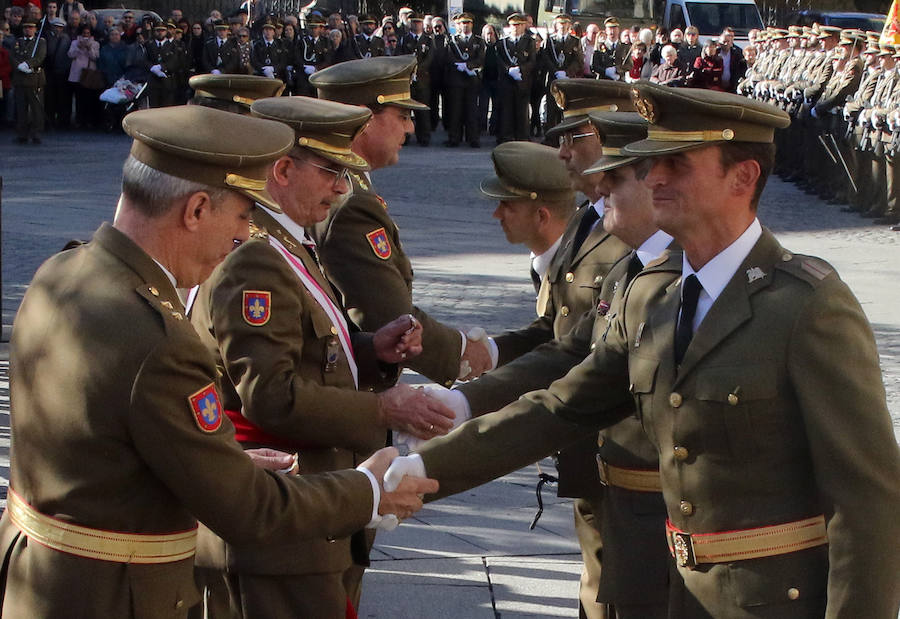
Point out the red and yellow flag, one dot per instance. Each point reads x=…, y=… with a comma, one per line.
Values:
x=891, y=33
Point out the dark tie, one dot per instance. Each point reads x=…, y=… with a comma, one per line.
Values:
x=635, y=266
x=311, y=250
x=689, y=294
x=536, y=280
x=584, y=227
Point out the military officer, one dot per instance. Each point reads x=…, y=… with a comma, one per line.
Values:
x=366, y=43
x=112, y=469
x=232, y=93
x=27, y=60
x=517, y=58
x=312, y=53
x=163, y=62
x=562, y=57
x=267, y=305
x=416, y=42
x=610, y=54
x=778, y=463
x=360, y=243
x=221, y=53
x=268, y=57
x=462, y=79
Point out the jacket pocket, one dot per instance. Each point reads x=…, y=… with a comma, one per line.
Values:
x=162, y=591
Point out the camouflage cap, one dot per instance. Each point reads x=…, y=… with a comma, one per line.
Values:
x=527, y=171
x=683, y=119
x=369, y=81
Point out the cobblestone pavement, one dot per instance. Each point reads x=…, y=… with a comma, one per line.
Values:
x=472, y=554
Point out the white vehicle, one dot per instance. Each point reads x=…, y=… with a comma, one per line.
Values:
x=712, y=16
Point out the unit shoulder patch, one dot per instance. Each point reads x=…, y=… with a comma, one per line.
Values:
x=256, y=307
x=378, y=241
x=207, y=408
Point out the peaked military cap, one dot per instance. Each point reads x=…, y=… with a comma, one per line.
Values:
x=415, y=17
x=829, y=31
x=617, y=129
x=188, y=142
x=327, y=128
x=221, y=26
x=563, y=17
x=367, y=19
x=268, y=25
x=579, y=96
x=887, y=50
x=160, y=26
x=611, y=21
x=853, y=36
x=465, y=17
x=233, y=92
x=56, y=21
x=383, y=80
x=683, y=119
x=516, y=18
x=315, y=20
x=527, y=171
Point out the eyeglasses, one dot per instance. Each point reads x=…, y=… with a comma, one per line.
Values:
x=568, y=139
x=342, y=174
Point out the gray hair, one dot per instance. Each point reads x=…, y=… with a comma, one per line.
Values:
x=668, y=49
x=154, y=192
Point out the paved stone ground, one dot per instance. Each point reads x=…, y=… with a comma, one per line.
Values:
x=471, y=555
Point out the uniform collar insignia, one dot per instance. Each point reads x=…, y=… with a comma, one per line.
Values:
x=754, y=273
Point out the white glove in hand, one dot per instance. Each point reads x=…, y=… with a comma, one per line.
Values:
x=269, y=72
x=477, y=334
x=813, y=113
x=560, y=75
x=611, y=73
x=402, y=466
x=309, y=69
x=23, y=67
x=472, y=72
x=157, y=71
x=461, y=67
x=515, y=73
x=454, y=400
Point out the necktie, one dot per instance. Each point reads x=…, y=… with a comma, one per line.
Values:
x=689, y=294
x=536, y=280
x=635, y=266
x=584, y=228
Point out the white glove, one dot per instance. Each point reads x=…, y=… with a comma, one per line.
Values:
x=216, y=72
x=515, y=73
x=812, y=113
x=157, y=70
x=611, y=73
x=560, y=75
x=309, y=69
x=472, y=72
x=454, y=400
x=269, y=72
x=461, y=67
x=23, y=67
x=629, y=79
x=477, y=334
x=402, y=466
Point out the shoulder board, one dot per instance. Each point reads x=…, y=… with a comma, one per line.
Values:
x=667, y=261
x=807, y=268
x=257, y=232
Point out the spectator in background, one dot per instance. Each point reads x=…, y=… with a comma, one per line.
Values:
x=113, y=58
x=588, y=41
x=73, y=23
x=84, y=52
x=50, y=10
x=5, y=83
x=707, y=69
x=690, y=50
x=58, y=91
x=335, y=38
x=7, y=40
x=67, y=8
x=677, y=38
x=195, y=47
x=489, y=77
x=641, y=67
x=245, y=49
x=662, y=39
x=733, y=64
x=16, y=14
x=670, y=72
x=129, y=28
x=750, y=53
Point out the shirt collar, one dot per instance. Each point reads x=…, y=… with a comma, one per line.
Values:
x=598, y=206
x=654, y=246
x=167, y=272
x=716, y=273
x=290, y=226
x=541, y=263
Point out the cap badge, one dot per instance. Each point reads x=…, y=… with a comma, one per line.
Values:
x=257, y=307
x=379, y=243
x=644, y=106
x=206, y=408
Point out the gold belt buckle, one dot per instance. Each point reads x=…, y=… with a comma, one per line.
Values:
x=683, y=549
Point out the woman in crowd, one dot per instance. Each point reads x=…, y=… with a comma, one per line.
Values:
x=670, y=72
x=489, y=77
x=707, y=70
x=84, y=52
x=113, y=58
x=195, y=46
x=641, y=67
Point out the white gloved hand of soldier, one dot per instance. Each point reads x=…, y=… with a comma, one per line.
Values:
x=471, y=72
x=309, y=69
x=157, y=71
x=452, y=399
x=23, y=67
x=461, y=67
x=269, y=72
x=402, y=466
x=560, y=75
x=477, y=334
x=515, y=73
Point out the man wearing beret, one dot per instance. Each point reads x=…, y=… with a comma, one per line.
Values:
x=360, y=243
x=294, y=364
x=778, y=463
x=120, y=443
x=517, y=58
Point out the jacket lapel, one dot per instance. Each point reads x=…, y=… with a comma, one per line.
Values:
x=732, y=308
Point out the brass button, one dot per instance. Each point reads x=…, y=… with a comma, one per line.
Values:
x=448, y=384
x=793, y=593
x=570, y=277
x=564, y=310
x=179, y=603
x=333, y=331
x=686, y=508
x=167, y=304
x=330, y=539
x=594, y=346
x=732, y=399
x=598, y=280
x=787, y=257
x=675, y=399
x=154, y=291
x=177, y=316
x=681, y=453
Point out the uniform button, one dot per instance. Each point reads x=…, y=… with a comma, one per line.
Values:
x=594, y=346
x=331, y=540
x=732, y=399
x=448, y=384
x=793, y=593
x=681, y=453
x=787, y=257
x=598, y=280
x=675, y=399
x=179, y=603
x=333, y=331
x=686, y=508
x=570, y=277
x=154, y=291
x=564, y=310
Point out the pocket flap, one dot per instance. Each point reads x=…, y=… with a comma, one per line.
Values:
x=734, y=384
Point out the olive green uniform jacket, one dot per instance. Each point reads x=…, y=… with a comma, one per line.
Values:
x=807, y=432
x=105, y=436
x=362, y=255
x=278, y=376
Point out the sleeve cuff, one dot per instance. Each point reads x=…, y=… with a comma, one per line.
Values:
x=376, y=494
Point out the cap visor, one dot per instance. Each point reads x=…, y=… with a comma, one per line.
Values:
x=492, y=188
x=409, y=104
x=351, y=160
x=649, y=148
x=604, y=164
x=262, y=196
x=569, y=124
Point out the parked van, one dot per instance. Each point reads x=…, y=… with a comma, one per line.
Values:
x=711, y=17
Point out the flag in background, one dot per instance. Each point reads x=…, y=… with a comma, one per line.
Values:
x=891, y=33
